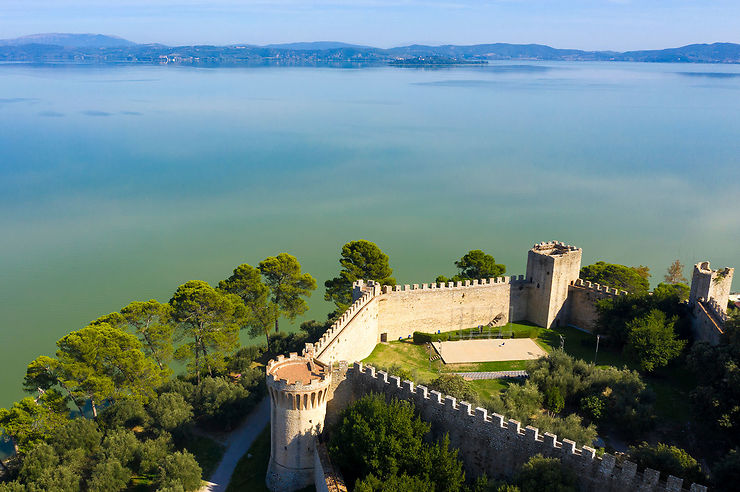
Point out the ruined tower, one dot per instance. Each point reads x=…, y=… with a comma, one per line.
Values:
x=551, y=268
x=709, y=284
x=298, y=391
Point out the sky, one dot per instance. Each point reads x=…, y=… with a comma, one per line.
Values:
x=583, y=24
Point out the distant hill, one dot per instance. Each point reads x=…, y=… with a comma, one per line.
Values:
x=70, y=40
x=99, y=48
x=316, y=46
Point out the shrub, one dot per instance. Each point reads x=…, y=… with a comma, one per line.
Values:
x=669, y=460
x=420, y=337
x=541, y=474
x=454, y=385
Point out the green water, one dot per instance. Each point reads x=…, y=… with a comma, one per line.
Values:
x=120, y=183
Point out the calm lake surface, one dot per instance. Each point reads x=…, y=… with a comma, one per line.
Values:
x=120, y=183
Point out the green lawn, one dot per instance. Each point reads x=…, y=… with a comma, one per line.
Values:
x=250, y=472
x=671, y=385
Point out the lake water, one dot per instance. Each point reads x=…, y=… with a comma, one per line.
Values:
x=120, y=183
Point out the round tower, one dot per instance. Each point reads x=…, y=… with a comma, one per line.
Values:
x=298, y=391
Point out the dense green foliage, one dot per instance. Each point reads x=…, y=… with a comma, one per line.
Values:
x=716, y=398
x=650, y=328
x=475, y=265
x=209, y=320
x=606, y=396
x=617, y=276
x=541, y=474
x=454, y=385
x=386, y=440
x=669, y=460
x=120, y=363
x=360, y=260
x=651, y=340
x=288, y=285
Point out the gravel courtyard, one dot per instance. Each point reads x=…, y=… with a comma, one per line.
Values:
x=496, y=349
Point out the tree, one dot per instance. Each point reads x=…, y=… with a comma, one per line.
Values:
x=394, y=483
x=170, y=411
x=554, y=400
x=652, y=341
x=109, y=475
x=179, y=468
x=209, y=320
x=151, y=322
x=100, y=362
x=43, y=374
x=669, y=460
x=643, y=271
x=675, y=273
x=475, y=265
x=541, y=474
x=455, y=385
x=617, y=276
x=246, y=282
x=360, y=260
x=28, y=423
x=122, y=445
x=376, y=437
x=287, y=284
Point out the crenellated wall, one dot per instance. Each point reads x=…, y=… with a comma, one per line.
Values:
x=582, y=297
x=491, y=444
x=443, y=307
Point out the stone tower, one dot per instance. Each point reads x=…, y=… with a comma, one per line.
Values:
x=551, y=268
x=710, y=284
x=298, y=392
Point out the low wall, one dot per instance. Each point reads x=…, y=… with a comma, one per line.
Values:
x=582, y=297
x=490, y=444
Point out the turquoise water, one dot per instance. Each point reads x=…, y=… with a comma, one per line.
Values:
x=120, y=183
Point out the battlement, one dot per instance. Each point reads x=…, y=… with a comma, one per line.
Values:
x=297, y=373
x=336, y=328
x=715, y=309
x=507, y=435
x=485, y=282
x=602, y=289
x=554, y=248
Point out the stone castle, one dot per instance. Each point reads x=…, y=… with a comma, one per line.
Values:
x=308, y=389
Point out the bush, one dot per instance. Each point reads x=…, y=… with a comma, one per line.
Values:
x=420, y=337
x=454, y=385
x=541, y=474
x=393, y=483
x=170, y=411
x=669, y=460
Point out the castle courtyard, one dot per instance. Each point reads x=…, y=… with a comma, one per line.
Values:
x=497, y=349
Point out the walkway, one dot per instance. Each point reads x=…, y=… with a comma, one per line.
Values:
x=493, y=374
x=237, y=445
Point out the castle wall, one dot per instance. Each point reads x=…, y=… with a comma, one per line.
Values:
x=582, y=299
x=354, y=335
x=488, y=443
x=707, y=322
x=430, y=307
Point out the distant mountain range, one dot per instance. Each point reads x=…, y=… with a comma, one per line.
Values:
x=98, y=48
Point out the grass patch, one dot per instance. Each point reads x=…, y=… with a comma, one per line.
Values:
x=487, y=388
x=207, y=452
x=250, y=472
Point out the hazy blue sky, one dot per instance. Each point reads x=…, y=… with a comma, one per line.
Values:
x=588, y=24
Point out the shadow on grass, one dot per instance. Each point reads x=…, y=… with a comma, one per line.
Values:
x=250, y=472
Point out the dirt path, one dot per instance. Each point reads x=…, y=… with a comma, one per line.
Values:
x=237, y=445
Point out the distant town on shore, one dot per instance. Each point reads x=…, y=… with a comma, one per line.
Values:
x=103, y=49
